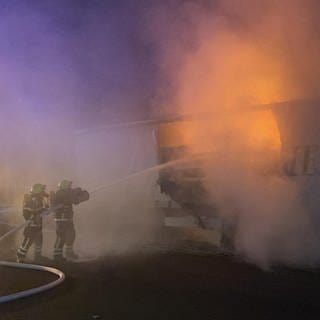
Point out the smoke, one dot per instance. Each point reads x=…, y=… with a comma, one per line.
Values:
x=218, y=58
x=121, y=218
x=66, y=67
x=266, y=51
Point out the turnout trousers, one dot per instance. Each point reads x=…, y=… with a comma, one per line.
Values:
x=32, y=235
x=66, y=236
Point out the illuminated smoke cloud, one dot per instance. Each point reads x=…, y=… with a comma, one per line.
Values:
x=220, y=58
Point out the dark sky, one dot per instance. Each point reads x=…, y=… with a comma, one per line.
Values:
x=90, y=60
x=90, y=56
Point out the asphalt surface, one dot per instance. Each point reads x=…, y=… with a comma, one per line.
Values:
x=13, y=280
x=166, y=286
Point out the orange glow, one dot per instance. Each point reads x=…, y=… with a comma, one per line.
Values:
x=184, y=133
x=264, y=132
x=224, y=77
x=231, y=72
x=255, y=130
x=177, y=134
x=259, y=131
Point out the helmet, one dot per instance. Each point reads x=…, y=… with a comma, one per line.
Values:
x=38, y=188
x=65, y=184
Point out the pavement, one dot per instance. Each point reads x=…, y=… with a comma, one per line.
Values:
x=166, y=285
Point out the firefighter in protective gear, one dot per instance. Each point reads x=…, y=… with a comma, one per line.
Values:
x=66, y=197
x=34, y=204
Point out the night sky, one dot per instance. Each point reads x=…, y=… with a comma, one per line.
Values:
x=91, y=57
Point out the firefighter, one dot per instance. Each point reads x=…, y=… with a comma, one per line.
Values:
x=34, y=204
x=65, y=198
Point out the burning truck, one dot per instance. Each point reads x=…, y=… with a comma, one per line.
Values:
x=286, y=134
x=292, y=130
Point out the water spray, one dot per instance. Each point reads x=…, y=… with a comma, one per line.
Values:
x=137, y=174
x=60, y=274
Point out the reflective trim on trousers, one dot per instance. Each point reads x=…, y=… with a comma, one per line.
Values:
x=21, y=252
x=26, y=244
x=57, y=254
x=59, y=243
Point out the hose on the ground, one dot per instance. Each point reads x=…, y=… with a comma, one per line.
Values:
x=32, y=291
x=60, y=274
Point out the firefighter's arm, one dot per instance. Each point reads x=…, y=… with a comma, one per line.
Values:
x=46, y=203
x=27, y=214
x=27, y=210
x=79, y=195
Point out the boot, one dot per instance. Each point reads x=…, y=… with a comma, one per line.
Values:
x=71, y=255
x=20, y=258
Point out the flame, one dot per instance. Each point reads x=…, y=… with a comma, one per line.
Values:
x=225, y=76
x=231, y=72
x=264, y=131
x=186, y=133
x=258, y=131
x=255, y=130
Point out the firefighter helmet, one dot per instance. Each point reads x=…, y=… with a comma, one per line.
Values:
x=38, y=188
x=65, y=184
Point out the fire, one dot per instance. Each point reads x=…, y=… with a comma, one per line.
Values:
x=185, y=133
x=231, y=72
x=255, y=130
x=259, y=131
x=264, y=131
x=225, y=76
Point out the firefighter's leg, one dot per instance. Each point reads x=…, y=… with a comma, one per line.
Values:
x=60, y=241
x=70, y=239
x=38, y=240
x=26, y=244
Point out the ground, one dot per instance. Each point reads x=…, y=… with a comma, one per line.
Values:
x=167, y=286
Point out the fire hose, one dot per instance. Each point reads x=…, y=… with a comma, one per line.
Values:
x=30, y=292
x=60, y=274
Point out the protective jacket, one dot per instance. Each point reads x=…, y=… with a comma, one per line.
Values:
x=66, y=234
x=64, y=198
x=33, y=206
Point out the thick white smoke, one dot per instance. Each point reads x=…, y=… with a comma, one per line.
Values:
x=64, y=67
x=221, y=57
x=123, y=217
x=59, y=72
